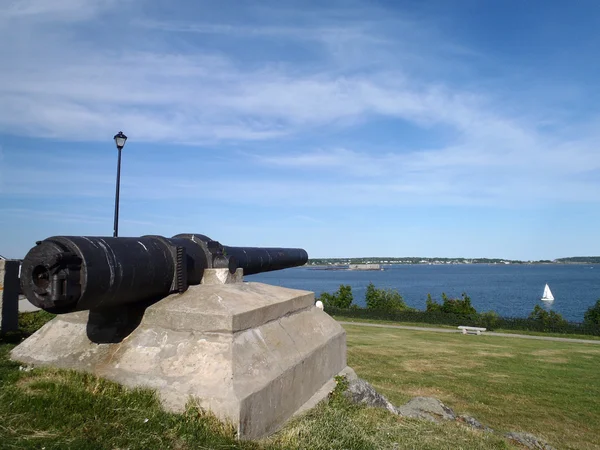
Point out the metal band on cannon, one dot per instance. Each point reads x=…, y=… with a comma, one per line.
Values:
x=72, y=273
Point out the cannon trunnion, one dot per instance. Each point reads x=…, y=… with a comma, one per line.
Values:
x=71, y=273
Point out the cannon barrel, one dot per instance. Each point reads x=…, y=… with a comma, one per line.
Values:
x=73, y=273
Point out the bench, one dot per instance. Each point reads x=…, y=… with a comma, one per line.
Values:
x=472, y=330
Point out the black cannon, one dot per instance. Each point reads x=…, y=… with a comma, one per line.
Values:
x=72, y=273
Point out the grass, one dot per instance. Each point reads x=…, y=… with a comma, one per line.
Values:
x=547, y=388
x=550, y=389
x=452, y=327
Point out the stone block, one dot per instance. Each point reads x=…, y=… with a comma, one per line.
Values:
x=9, y=295
x=252, y=353
x=222, y=276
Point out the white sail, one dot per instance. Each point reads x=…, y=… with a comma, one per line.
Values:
x=547, y=294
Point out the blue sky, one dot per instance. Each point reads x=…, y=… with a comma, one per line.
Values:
x=351, y=128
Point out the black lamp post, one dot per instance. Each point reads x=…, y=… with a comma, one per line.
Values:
x=120, y=139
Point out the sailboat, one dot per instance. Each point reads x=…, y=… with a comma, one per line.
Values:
x=548, y=297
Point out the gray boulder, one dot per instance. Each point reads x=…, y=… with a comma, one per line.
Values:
x=359, y=391
x=529, y=441
x=427, y=408
x=474, y=423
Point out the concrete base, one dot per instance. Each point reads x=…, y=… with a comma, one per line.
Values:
x=251, y=353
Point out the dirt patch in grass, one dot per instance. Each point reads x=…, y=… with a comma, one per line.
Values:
x=436, y=350
x=497, y=355
x=554, y=360
x=37, y=382
x=492, y=376
x=551, y=356
x=425, y=391
x=433, y=365
x=589, y=351
x=547, y=352
x=419, y=365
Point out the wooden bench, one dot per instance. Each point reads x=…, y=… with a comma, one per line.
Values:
x=472, y=330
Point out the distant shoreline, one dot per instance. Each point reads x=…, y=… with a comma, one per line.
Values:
x=441, y=261
x=383, y=265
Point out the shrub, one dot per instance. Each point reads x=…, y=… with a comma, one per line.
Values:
x=592, y=315
x=432, y=305
x=461, y=306
x=550, y=320
x=490, y=320
x=384, y=299
x=341, y=299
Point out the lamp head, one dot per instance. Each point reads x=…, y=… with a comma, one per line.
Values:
x=120, y=140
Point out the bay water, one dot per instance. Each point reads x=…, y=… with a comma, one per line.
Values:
x=510, y=290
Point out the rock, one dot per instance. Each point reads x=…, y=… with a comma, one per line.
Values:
x=427, y=408
x=474, y=423
x=359, y=391
x=529, y=441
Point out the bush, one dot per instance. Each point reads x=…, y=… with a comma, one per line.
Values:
x=490, y=320
x=592, y=315
x=341, y=299
x=460, y=306
x=384, y=299
x=432, y=305
x=550, y=320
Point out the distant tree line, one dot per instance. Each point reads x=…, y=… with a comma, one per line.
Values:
x=410, y=260
x=580, y=260
x=423, y=260
x=388, y=304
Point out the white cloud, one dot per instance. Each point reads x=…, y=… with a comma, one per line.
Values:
x=62, y=10
x=66, y=85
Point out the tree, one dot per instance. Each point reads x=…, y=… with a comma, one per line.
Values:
x=489, y=319
x=344, y=296
x=372, y=296
x=432, y=305
x=592, y=315
x=384, y=299
x=550, y=320
x=341, y=299
x=460, y=306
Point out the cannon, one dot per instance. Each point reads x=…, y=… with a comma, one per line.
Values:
x=74, y=273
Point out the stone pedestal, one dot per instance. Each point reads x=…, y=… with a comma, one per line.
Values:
x=251, y=353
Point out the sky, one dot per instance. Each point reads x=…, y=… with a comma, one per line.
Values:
x=347, y=128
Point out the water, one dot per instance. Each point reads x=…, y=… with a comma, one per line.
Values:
x=510, y=290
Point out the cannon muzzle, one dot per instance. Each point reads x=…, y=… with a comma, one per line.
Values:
x=73, y=273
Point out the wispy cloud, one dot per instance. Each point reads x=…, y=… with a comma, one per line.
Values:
x=62, y=10
x=350, y=71
x=67, y=89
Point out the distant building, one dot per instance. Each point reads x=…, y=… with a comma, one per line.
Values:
x=364, y=266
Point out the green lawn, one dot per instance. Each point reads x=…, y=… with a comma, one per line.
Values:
x=550, y=389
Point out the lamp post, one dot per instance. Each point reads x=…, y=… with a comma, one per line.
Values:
x=120, y=139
